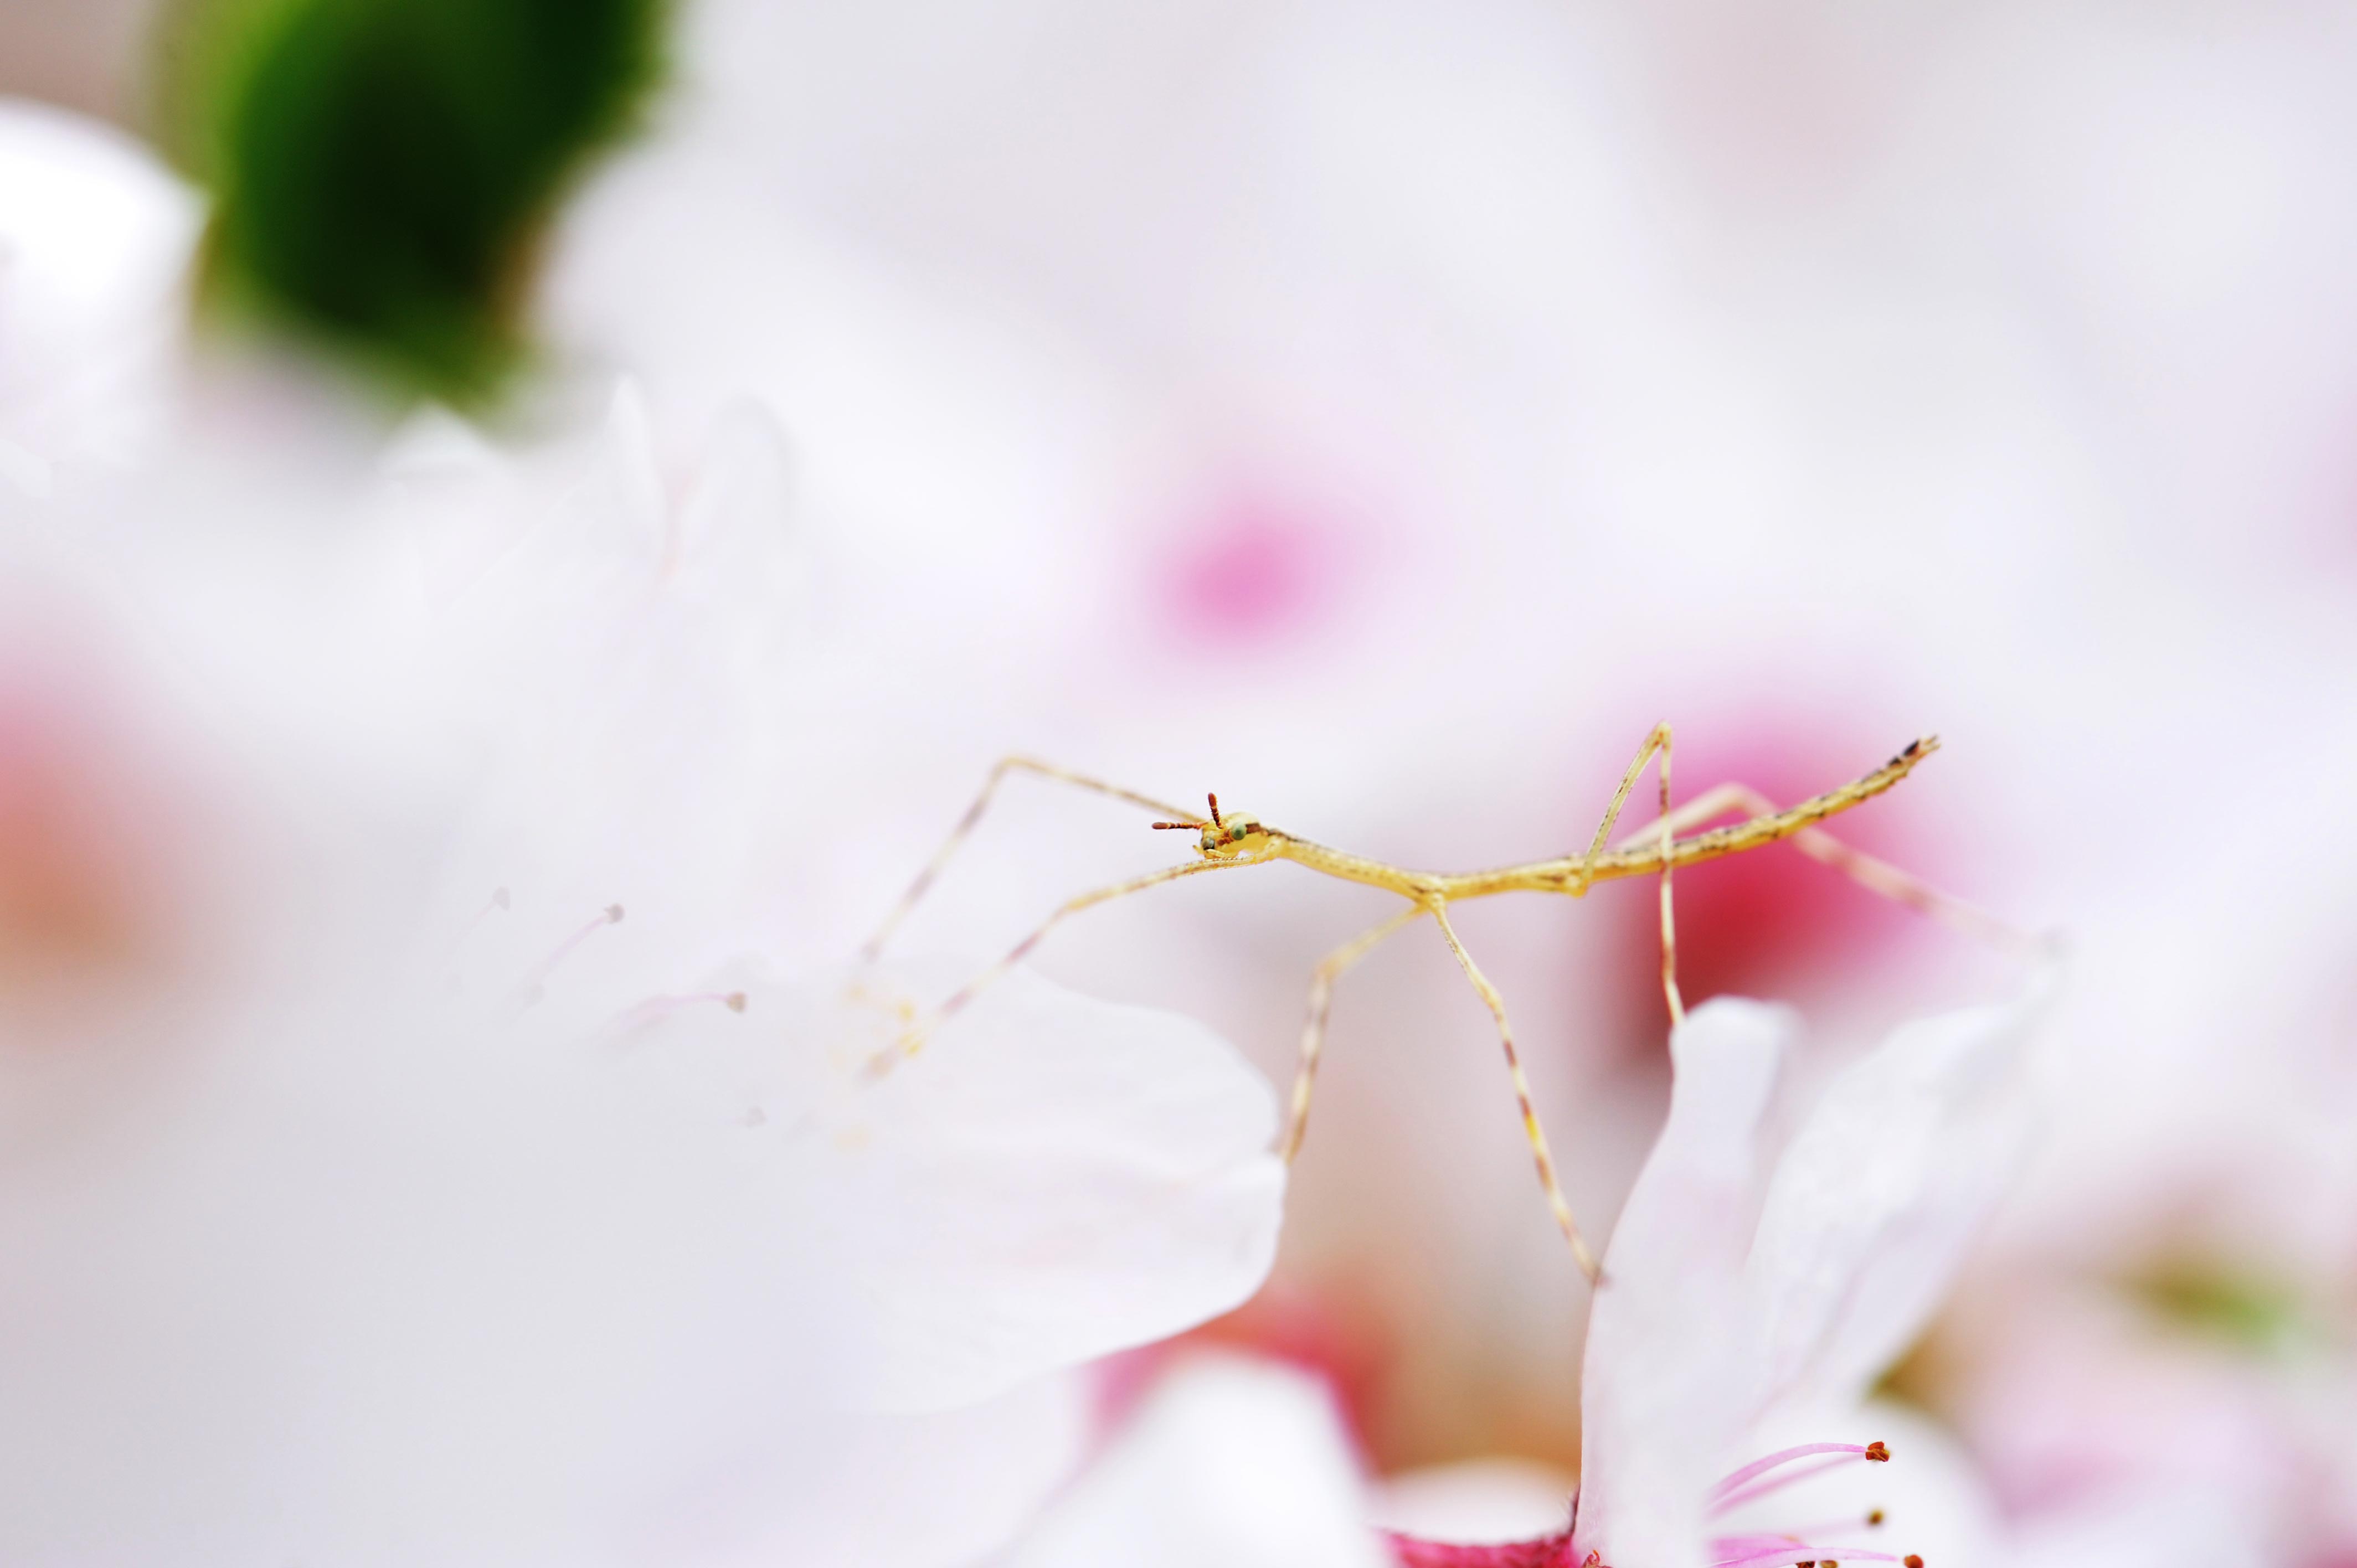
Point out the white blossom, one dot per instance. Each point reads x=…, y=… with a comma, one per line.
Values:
x=1749, y=1275
x=94, y=240
x=449, y=1208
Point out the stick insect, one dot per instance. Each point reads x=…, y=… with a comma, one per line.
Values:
x=1233, y=840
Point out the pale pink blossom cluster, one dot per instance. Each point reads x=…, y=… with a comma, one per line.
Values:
x=439, y=1111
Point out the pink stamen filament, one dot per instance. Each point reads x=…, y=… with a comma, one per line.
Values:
x=1804, y=1554
x=536, y=982
x=1729, y=1504
x=1726, y=1548
x=496, y=904
x=1825, y=1527
x=655, y=1008
x=1784, y=1456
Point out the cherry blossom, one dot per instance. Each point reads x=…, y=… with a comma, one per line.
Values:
x=1780, y=1246
x=1230, y=1461
x=1753, y=1277
x=94, y=240
x=456, y=1204
x=1797, y=380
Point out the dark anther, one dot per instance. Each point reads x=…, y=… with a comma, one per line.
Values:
x=1874, y=1518
x=1911, y=1560
x=1878, y=1453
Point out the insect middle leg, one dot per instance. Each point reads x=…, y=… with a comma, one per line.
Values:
x=966, y=824
x=1659, y=740
x=1330, y=968
x=1531, y=1129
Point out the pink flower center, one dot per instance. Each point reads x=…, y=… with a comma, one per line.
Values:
x=1547, y=1552
x=1813, y=1546
x=1258, y=570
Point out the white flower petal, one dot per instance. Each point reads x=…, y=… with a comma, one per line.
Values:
x=943, y=1489
x=1230, y=1463
x=1878, y=1196
x=1490, y=1499
x=95, y=237
x=1050, y=1179
x=2145, y=1527
x=1659, y=1393
x=368, y=1290
x=632, y=677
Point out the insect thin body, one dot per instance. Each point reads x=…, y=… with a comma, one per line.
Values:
x=1230, y=840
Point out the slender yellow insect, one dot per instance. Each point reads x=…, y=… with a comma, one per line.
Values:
x=1234, y=839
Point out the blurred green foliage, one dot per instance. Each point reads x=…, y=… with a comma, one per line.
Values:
x=381, y=170
x=2258, y=1314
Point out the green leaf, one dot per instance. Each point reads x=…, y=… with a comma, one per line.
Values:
x=381, y=169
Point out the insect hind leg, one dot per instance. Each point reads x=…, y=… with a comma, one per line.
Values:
x=1874, y=874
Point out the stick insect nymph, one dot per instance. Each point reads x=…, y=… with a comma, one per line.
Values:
x=1233, y=839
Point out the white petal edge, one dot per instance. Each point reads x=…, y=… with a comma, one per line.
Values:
x=1881, y=1192
x=1659, y=1392
x=945, y=1490
x=1230, y=1462
x=1049, y=1180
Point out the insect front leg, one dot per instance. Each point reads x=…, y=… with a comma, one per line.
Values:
x=1330, y=968
x=966, y=824
x=914, y=1040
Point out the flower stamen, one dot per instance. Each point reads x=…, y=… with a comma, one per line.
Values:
x=1875, y=1452
x=1822, y=1527
x=1797, y=1556
x=1777, y=1549
x=658, y=1007
x=497, y=904
x=536, y=982
x=1734, y=1489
